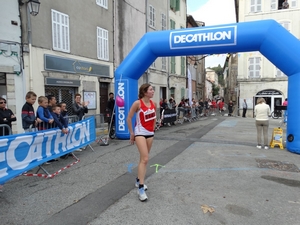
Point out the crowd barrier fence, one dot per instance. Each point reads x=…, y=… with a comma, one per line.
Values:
x=5, y=130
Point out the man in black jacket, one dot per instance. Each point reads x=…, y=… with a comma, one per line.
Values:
x=79, y=108
x=6, y=117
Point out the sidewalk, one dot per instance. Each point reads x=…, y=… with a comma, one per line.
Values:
x=211, y=162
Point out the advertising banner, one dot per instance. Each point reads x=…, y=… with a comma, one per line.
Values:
x=22, y=152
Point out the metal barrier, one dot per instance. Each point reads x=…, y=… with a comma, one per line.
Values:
x=100, y=124
x=5, y=130
x=72, y=119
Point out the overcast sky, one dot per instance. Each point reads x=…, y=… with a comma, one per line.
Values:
x=212, y=12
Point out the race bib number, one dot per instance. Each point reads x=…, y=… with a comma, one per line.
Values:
x=149, y=115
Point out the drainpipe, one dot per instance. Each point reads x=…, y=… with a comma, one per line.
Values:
x=168, y=58
x=30, y=49
x=146, y=30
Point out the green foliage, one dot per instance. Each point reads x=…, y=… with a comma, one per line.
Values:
x=215, y=89
x=219, y=71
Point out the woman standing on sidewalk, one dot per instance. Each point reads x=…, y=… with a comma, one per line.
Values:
x=262, y=112
x=143, y=133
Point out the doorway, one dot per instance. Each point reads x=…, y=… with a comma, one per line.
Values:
x=103, y=96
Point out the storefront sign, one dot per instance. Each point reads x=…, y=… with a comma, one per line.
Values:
x=62, y=82
x=269, y=92
x=67, y=65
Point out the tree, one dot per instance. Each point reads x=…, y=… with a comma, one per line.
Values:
x=215, y=90
x=219, y=71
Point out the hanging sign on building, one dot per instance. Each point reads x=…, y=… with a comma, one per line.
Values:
x=67, y=65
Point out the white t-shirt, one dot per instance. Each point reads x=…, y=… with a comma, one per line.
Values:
x=262, y=111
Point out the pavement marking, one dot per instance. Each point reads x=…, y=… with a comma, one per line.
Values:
x=157, y=166
x=243, y=155
x=211, y=169
x=129, y=167
x=228, y=123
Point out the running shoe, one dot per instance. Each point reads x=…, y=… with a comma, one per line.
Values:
x=138, y=183
x=142, y=194
x=258, y=146
x=266, y=147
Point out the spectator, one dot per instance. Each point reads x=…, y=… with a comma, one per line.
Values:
x=262, y=112
x=244, y=108
x=79, y=108
x=180, y=107
x=51, y=102
x=213, y=106
x=230, y=108
x=6, y=117
x=285, y=5
x=63, y=109
x=201, y=106
x=111, y=103
x=206, y=107
x=29, y=120
x=221, y=106
x=285, y=103
x=44, y=114
x=59, y=120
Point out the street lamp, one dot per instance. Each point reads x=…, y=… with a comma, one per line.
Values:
x=34, y=7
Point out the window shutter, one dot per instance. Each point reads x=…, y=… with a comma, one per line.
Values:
x=173, y=4
x=258, y=6
x=164, y=63
x=60, y=31
x=177, y=5
x=173, y=65
x=182, y=92
x=172, y=23
x=102, y=44
x=182, y=65
x=163, y=21
x=252, y=6
x=153, y=17
x=279, y=73
x=293, y=3
x=286, y=25
x=273, y=4
x=251, y=67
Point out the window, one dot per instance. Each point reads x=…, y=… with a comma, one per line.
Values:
x=173, y=69
x=153, y=65
x=274, y=4
x=279, y=73
x=255, y=6
x=60, y=31
x=102, y=44
x=102, y=3
x=286, y=25
x=182, y=65
x=175, y=5
x=172, y=92
x=182, y=92
x=164, y=63
x=293, y=3
x=151, y=16
x=163, y=21
x=254, y=67
x=172, y=24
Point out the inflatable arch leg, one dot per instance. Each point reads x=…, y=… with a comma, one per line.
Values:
x=267, y=36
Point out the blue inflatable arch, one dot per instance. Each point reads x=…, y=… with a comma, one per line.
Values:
x=266, y=36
